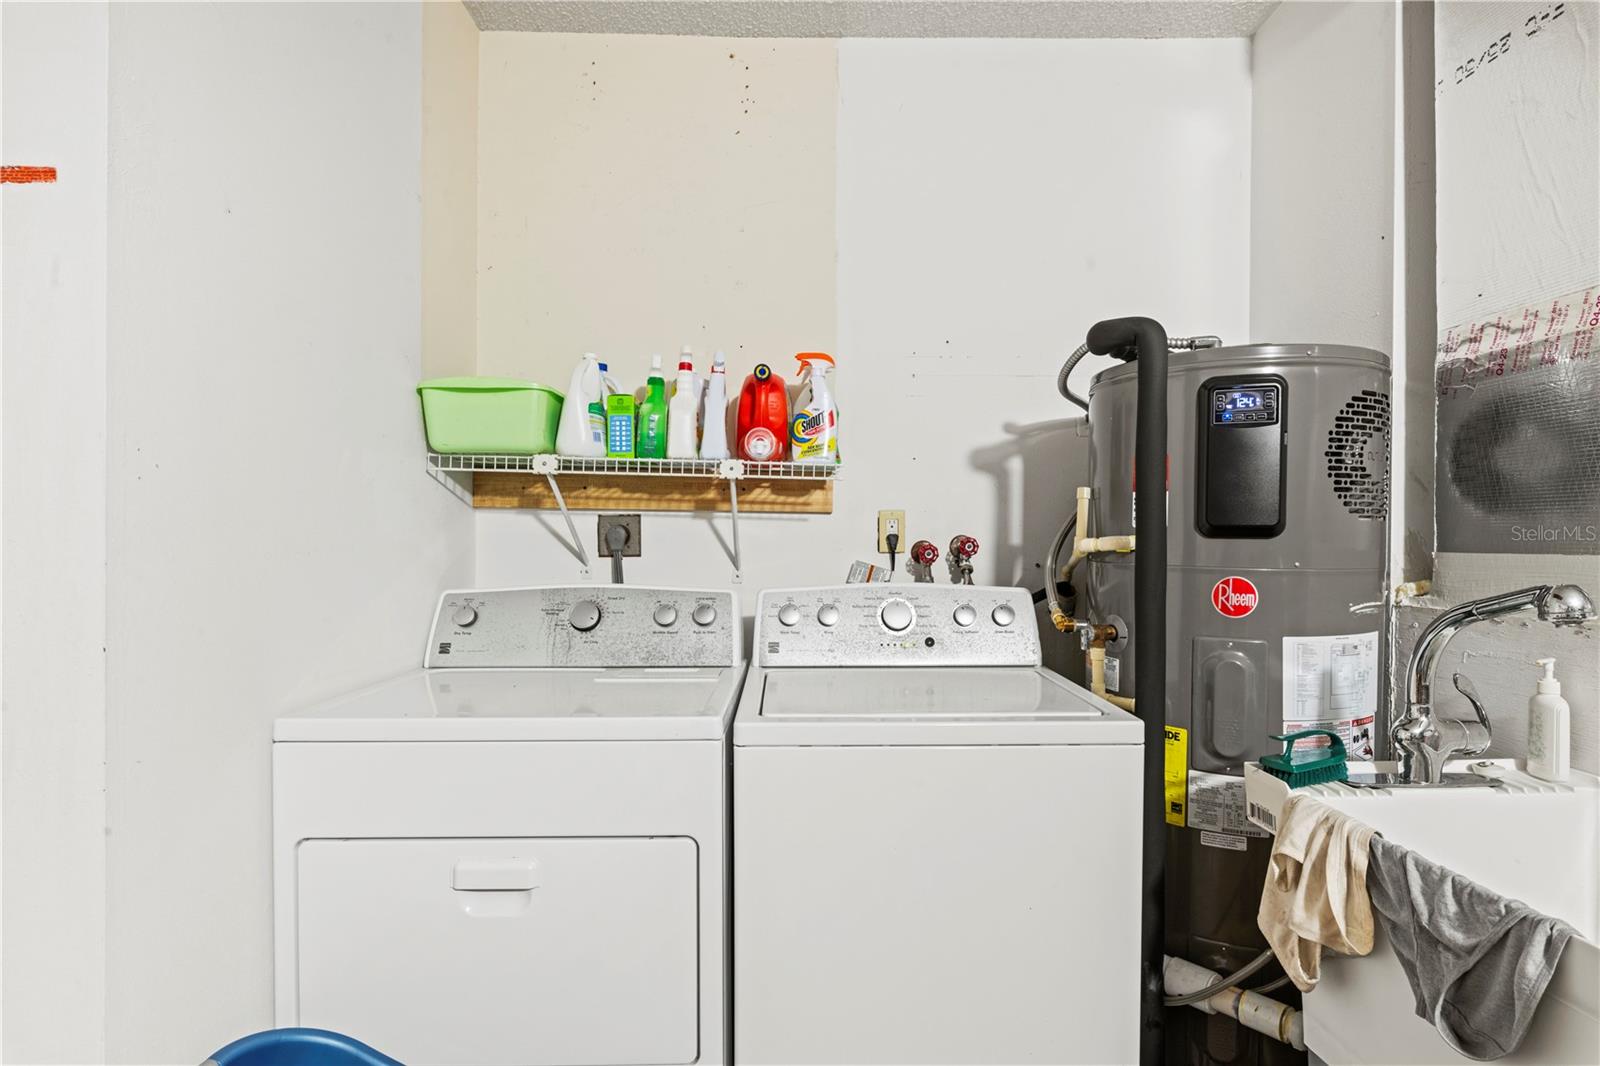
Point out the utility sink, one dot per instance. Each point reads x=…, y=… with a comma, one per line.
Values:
x=1523, y=838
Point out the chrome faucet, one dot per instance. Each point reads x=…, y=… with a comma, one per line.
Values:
x=1423, y=742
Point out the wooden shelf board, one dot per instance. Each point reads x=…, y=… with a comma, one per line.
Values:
x=622, y=492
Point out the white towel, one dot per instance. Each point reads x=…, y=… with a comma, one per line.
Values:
x=1315, y=895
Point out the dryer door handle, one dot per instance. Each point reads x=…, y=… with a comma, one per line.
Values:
x=495, y=875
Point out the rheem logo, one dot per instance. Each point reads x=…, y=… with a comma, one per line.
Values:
x=1234, y=597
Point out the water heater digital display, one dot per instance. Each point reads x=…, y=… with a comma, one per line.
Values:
x=1234, y=407
x=1240, y=484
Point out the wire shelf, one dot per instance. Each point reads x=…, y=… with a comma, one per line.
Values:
x=731, y=469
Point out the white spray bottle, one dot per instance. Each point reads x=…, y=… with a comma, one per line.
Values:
x=814, y=421
x=714, y=412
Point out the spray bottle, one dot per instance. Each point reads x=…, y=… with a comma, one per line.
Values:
x=814, y=423
x=652, y=436
x=714, y=412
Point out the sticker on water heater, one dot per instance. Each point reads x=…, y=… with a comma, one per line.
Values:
x=1224, y=840
x=1234, y=596
x=1113, y=674
x=1332, y=683
x=1217, y=803
x=1176, y=765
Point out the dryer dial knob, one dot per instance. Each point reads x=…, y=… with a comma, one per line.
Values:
x=965, y=615
x=896, y=615
x=704, y=614
x=1004, y=615
x=789, y=614
x=464, y=615
x=828, y=615
x=584, y=616
x=665, y=615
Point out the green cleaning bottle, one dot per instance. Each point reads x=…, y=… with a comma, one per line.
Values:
x=651, y=442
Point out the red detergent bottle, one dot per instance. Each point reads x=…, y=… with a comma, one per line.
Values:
x=763, y=426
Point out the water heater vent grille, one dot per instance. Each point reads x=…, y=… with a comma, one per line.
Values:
x=1358, y=455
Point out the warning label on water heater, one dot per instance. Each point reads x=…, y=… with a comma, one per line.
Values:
x=1332, y=683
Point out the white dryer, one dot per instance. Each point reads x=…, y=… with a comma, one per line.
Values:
x=517, y=855
x=936, y=840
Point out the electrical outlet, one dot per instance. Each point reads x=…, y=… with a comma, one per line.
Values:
x=629, y=523
x=892, y=522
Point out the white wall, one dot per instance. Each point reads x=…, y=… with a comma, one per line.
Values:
x=978, y=236
x=270, y=536
x=54, y=569
x=1322, y=175
x=449, y=190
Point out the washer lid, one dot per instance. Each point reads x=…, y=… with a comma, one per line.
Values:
x=553, y=704
x=959, y=705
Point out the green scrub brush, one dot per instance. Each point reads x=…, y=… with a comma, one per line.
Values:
x=1307, y=766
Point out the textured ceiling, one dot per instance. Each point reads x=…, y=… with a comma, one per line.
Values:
x=879, y=18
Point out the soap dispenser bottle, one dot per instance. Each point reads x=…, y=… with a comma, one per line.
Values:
x=1549, y=728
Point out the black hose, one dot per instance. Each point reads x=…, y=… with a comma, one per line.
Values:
x=1144, y=339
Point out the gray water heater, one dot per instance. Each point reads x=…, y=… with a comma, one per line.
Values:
x=1277, y=500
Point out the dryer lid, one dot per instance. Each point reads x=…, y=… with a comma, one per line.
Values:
x=566, y=704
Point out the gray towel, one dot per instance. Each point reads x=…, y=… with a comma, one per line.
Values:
x=1477, y=961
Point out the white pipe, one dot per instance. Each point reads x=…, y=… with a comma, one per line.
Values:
x=1251, y=1009
x=1090, y=545
x=1097, y=683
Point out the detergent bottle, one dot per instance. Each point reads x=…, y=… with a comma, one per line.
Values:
x=814, y=424
x=581, y=430
x=763, y=428
x=714, y=412
x=651, y=442
x=683, y=413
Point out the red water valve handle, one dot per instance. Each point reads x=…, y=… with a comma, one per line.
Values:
x=924, y=552
x=963, y=547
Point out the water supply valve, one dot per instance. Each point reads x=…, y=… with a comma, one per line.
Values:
x=924, y=553
x=962, y=549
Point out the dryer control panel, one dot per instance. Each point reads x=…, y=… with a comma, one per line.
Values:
x=880, y=624
x=585, y=626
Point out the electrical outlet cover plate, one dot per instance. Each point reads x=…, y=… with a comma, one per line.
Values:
x=898, y=518
x=628, y=521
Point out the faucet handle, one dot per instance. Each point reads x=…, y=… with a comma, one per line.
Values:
x=1464, y=685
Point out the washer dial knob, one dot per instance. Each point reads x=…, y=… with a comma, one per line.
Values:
x=665, y=615
x=965, y=615
x=828, y=615
x=789, y=614
x=464, y=615
x=704, y=614
x=584, y=616
x=896, y=615
x=1004, y=615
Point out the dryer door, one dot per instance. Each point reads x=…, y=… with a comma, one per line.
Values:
x=503, y=952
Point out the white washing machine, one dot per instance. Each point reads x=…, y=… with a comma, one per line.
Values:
x=936, y=840
x=517, y=855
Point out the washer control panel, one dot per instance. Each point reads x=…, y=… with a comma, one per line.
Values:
x=897, y=625
x=585, y=626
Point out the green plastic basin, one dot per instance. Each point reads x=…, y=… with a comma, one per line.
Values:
x=489, y=416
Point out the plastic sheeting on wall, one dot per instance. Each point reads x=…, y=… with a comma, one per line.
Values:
x=1518, y=363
